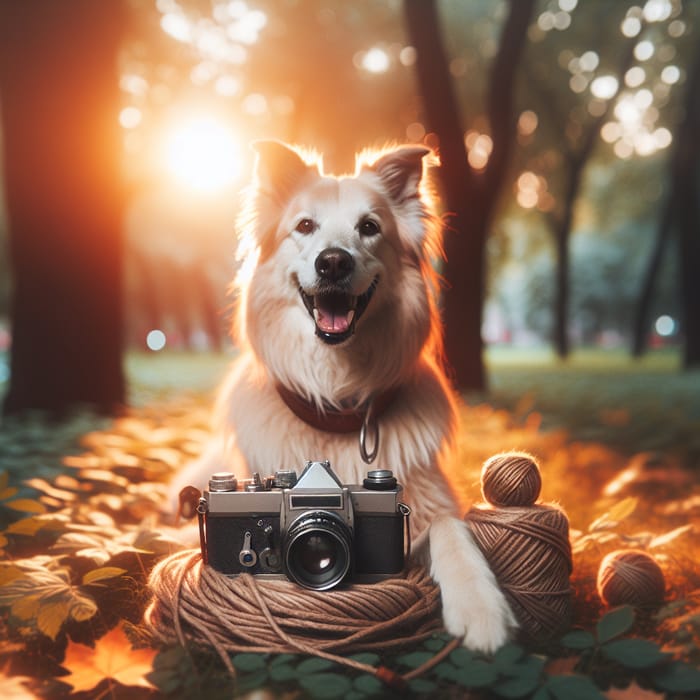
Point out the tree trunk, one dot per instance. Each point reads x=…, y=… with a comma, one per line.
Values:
x=640, y=328
x=686, y=185
x=60, y=106
x=469, y=198
x=681, y=212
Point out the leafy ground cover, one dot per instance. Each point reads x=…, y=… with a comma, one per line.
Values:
x=80, y=530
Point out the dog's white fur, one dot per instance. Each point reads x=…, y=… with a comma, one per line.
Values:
x=397, y=344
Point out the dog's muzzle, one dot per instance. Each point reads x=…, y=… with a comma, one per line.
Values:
x=335, y=311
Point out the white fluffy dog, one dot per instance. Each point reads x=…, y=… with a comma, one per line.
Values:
x=338, y=326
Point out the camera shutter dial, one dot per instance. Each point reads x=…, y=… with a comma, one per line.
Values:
x=285, y=478
x=223, y=481
x=380, y=480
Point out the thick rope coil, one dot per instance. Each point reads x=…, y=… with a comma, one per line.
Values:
x=195, y=605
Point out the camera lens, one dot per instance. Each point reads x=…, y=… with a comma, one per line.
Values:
x=317, y=551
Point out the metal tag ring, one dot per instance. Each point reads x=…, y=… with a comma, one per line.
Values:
x=369, y=424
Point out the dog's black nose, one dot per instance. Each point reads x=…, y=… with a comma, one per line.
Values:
x=334, y=264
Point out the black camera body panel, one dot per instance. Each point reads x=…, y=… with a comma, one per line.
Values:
x=379, y=544
x=317, y=533
x=225, y=533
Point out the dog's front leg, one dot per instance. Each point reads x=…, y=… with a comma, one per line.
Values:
x=473, y=606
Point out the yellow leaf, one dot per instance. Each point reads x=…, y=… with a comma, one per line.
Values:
x=102, y=573
x=6, y=493
x=83, y=610
x=112, y=658
x=26, y=505
x=622, y=509
x=51, y=617
x=26, y=526
x=612, y=518
x=46, y=488
x=670, y=536
x=26, y=607
x=3, y=541
x=9, y=572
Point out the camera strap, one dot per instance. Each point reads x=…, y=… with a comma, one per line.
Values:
x=406, y=512
x=201, y=513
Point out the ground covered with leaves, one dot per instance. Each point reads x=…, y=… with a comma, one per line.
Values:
x=80, y=529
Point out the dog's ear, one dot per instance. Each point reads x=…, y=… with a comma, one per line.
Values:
x=401, y=171
x=279, y=168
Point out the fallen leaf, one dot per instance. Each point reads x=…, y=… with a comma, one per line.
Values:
x=112, y=657
x=9, y=572
x=43, y=486
x=670, y=536
x=102, y=573
x=8, y=492
x=612, y=518
x=632, y=692
x=44, y=596
x=26, y=505
x=14, y=688
x=557, y=667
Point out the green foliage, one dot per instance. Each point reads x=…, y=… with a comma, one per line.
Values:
x=614, y=623
x=72, y=572
x=569, y=687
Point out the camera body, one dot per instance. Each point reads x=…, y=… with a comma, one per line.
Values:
x=313, y=530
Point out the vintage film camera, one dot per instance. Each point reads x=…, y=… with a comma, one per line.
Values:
x=314, y=530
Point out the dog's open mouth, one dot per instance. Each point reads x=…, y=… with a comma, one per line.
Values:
x=335, y=312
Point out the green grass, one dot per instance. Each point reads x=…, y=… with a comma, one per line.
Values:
x=163, y=375
x=633, y=405
x=596, y=395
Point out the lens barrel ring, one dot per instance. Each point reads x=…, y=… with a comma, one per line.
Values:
x=317, y=550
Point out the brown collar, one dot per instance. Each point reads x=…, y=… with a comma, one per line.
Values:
x=333, y=420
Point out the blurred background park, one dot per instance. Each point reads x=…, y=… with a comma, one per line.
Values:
x=568, y=133
x=569, y=138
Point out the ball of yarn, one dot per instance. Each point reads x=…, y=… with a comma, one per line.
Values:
x=511, y=479
x=528, y=550
x=630, y=576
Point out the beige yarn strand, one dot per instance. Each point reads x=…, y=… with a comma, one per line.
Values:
x=195, y=605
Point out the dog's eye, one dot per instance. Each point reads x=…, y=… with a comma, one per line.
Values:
x=369, y=227
x=306, y=226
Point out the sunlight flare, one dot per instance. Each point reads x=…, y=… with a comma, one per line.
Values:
x=202, y=154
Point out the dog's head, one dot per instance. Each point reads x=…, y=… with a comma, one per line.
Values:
x=350, y=255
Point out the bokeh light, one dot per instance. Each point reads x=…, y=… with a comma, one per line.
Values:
x=479, y=147
x=665, y=325
x=130, y=117
x=155, y=340
x=375, y=60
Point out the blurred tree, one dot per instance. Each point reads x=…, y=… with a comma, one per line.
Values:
x=60, y=103
x=681, y=212
x=470, y=196
x=574, y=124
x=685, y=183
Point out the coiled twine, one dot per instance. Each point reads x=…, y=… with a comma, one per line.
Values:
x=192, y=603
x=526, y=545
x=630, y=576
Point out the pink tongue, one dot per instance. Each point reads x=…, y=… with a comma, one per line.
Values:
x=331, y=323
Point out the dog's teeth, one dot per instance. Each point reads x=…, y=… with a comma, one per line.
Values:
x=317, y=314
x=350, y=316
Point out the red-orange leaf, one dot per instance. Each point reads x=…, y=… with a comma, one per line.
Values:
x=111, y=658
x=632, y=692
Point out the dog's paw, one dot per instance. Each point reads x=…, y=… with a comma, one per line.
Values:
x=473, y=606
x=482, y=618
